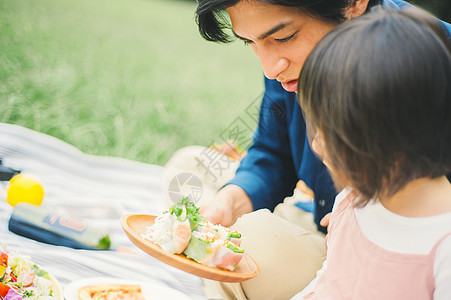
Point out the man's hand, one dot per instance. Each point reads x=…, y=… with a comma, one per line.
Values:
x=229, y=204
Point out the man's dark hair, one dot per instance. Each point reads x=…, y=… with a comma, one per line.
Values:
x=212, y=22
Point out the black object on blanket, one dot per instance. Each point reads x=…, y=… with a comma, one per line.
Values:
x=6, y=173
x=36, y=223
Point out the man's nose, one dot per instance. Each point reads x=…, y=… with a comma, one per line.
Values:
x=272, y=63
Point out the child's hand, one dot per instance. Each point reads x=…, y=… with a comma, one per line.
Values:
x=325, y=221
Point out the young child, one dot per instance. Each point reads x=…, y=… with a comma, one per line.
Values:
x=376, y=93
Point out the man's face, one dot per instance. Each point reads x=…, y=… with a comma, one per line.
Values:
x=281, y=37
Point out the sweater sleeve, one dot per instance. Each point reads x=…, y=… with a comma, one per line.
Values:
x=267, y=173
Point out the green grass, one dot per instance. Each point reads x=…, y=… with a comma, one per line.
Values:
x=124, y=78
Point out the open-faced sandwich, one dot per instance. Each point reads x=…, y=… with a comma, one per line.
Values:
x=22, y=279
x=111, y=292
x=182, y=229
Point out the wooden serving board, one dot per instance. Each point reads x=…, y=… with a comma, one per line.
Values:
x=135, y=225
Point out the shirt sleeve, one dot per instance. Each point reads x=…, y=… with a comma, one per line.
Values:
x=442, y=270
x=267, y=173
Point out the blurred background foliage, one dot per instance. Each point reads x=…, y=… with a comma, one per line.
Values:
x=125, y=78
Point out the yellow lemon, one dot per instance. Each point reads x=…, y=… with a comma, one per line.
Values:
x=14, y=178
x=24, y=188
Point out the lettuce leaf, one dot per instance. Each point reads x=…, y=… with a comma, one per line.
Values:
x=187, y=209
x=197, y=248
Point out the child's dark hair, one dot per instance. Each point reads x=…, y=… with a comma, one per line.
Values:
x=212, y=23
x=379, y=88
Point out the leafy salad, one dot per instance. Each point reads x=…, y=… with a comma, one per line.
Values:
x=183, y=229
x=22, y=279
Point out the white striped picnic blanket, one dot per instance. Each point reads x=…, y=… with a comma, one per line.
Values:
x=99, y=189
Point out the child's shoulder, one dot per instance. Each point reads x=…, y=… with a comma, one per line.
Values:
x=443, y=252
x=345, y=195
x=403, y=234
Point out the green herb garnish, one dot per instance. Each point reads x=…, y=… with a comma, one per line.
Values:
x=29, y=293
x=234, y=235
x=234, y=248
x=192, y=212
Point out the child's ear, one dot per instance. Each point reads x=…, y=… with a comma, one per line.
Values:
x=357, y=8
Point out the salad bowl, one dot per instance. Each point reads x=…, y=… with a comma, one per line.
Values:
x=20, y=278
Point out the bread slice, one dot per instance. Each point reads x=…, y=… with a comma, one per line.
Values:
x=111, y=292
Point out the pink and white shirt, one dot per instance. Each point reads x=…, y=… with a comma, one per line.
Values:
x=376, y=254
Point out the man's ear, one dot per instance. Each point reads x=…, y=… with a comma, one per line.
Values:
x=357, y=8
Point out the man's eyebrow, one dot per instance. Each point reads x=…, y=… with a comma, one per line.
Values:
x=268, y=33
x=274, y=30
